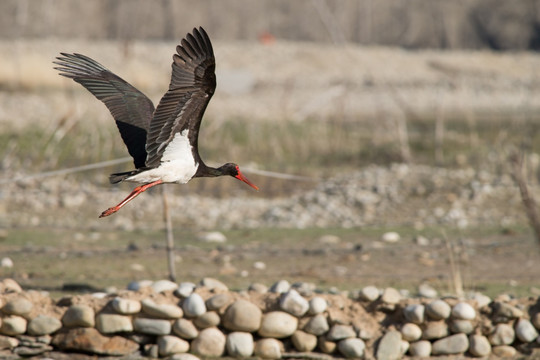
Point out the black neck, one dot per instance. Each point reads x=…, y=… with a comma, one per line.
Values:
x=207, y=171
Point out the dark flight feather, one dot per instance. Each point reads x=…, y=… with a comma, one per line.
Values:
x=130, y=108
x=193, y=83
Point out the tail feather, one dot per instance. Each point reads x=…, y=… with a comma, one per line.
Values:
x=119, y=177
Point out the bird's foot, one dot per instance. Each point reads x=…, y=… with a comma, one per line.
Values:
x=109, y=211
x=134, y=193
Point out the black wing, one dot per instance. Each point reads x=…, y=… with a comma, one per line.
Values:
x=130, y=108
x=193, y=82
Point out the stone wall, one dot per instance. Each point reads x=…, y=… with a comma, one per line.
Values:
x=164, y=319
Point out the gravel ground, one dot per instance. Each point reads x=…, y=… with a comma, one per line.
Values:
x=410, y=195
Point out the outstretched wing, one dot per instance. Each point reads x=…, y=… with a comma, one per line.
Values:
x=193, y=82
x=130, y=108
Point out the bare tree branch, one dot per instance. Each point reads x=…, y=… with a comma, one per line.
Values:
x=528, y=199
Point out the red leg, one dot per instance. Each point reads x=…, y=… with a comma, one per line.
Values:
x=134, y=193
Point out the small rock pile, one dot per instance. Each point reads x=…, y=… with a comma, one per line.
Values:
x=164, y=319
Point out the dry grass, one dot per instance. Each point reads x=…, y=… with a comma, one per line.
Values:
x=314, y=148
x=302, y=108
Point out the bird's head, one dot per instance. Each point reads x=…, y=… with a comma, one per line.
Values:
x=234, y=171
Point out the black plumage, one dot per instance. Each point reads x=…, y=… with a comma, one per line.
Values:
x=147, y=131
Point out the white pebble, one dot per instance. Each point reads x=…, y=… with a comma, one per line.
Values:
x=438, y=309
x=403, y=348
x=317, y=325
x=164, y=285
x=414, y=313
x=13, y=325
x=304, y=288
x=152, y=326
x=391, y=296
x=259, y=265
x=43, y=325
x=8, y=342
x=138, y=285
x=213, y=284
x=369, y=293
x=463, y=311
x=169, y=345
x=421, y=349
x=390, y=346
x=411, y=332
x=390, y=237
x=208, y=319
x=185, y=329
x=503, y=334
x=209, y=343
x=352, y=348
x=242, y=315
x=212, y=237
x=280, y=287
x=126, y=306
x=340, y=332
x=481, y=300
x=258, y=287
x=240, y=344
x=435, y=330
x=79, y=316
x=113, y=323
x=218, y=301
x=10, y=285
x=461, y=326
x=479, y=345
x=326, y=346
x=165, y=311
x=293, y=303
x=425, y=290
x=100, y=295
x=6, y=262
x=525, y=331
x=453, y=344
x=317, y=305
x=421, y=240
x=303, y=341
x=184, y=356
x=504, y=351
x=194, y=305
x=185, y=289
x=18, y=306
x=504, y=310
x=278, y=324
x=268, y=349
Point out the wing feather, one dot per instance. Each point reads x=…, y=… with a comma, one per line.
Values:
x=192, y=85
x=130, y=108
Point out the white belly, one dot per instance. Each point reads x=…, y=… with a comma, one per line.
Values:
x=177, y=163
x=169, y=172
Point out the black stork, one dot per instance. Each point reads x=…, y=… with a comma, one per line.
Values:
x=162, y=141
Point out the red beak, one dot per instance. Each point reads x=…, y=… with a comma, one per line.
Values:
x=241, y=176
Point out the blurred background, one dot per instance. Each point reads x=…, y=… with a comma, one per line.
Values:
x=354, y=118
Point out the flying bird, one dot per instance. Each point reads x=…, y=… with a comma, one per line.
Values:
x=163, y=141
